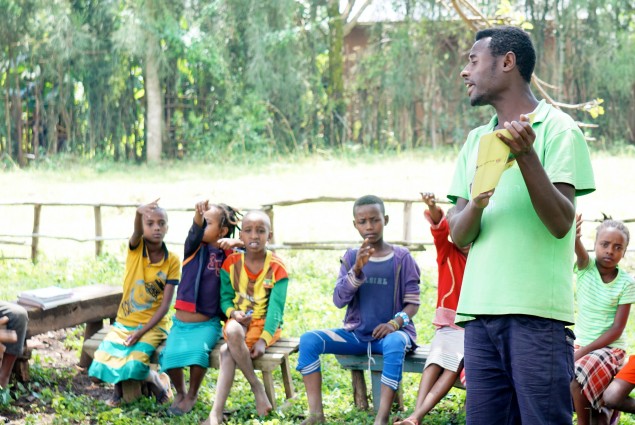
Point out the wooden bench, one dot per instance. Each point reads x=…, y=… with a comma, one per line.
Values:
x=277, y=355
x=88, y=305
x=413, y=363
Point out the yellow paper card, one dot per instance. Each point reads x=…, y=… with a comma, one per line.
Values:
x=493, y=158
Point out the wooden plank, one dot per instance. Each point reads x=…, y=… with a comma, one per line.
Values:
x=88, y=304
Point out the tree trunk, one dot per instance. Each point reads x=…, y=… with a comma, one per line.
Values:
x=19, y=125
x=335, y=90
x=7, y=110
x=154, y=111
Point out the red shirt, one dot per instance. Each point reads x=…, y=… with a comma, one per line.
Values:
x=451, y=266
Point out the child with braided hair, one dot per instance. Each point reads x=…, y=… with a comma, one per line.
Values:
x=196, y=324
x=604, y=294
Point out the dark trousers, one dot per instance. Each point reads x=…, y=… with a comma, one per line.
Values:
x=518, y=370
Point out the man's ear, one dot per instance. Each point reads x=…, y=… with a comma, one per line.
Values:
x=386, y=219
x=509, y=61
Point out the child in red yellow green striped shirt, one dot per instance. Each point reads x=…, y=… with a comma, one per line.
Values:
x=253, y=294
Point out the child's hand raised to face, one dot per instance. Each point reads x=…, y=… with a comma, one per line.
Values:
x=148, y=208
x=363, y=255
x=429, y=199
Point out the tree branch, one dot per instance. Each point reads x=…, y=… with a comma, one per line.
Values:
x=348, y=27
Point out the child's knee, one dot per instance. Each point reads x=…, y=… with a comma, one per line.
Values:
x=310, y=342
x=234, y=331
x=611, y=398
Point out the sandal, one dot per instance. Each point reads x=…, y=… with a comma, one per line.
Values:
x=115, y=401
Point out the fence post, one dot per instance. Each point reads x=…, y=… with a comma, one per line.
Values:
x=98, y=232
x=37, y=208
x=407, y=212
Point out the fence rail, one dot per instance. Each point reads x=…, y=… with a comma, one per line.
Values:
x=99, y=237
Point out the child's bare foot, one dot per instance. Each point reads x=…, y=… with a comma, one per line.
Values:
x=263, y=406
x=314, y=419
x=178, y=398
x=213, y=420
x=187, y=404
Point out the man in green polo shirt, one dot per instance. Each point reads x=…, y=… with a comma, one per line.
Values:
x=517, y=294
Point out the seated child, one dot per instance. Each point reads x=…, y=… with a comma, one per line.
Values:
x=378, y=283
x=151, y=274
x=253, y=294
x=196, y=324
x=445, y=361
x=15, y=319
x=605, y=293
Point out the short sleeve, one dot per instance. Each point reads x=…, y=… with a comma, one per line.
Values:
x=628, y=295
x=174, y=271
x=459, y=186
x=567, y=160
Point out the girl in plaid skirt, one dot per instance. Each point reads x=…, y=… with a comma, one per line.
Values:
x=604, y=295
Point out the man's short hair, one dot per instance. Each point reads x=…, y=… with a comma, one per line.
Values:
x=512, y=39
x=369, y=200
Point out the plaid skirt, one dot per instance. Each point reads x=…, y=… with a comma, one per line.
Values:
x=595, y=371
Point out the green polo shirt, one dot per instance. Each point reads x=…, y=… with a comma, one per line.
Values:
x=515, y=266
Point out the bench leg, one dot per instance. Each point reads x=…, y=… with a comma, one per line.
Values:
x=289, y=391
x=359, y=389
x=267, y=380
x=131, y=390
x=376, y=387
x=91, y=329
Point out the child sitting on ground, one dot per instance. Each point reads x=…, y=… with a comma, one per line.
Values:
x=445, y=361
x=196, y=324
x=151, y=274
x=605, y=293
x=253, y=294
x=378, y=283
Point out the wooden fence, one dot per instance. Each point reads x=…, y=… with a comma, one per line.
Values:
x=99, y=237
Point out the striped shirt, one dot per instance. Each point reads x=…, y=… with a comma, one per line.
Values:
x=598, y=301
x=264, y=293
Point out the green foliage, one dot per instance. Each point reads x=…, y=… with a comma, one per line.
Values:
x=273, y=77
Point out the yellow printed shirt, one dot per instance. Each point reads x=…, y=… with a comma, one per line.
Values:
x=264, y=293
x=144, y=284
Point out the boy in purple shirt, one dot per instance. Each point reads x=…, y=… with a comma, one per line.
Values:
x=379, y=286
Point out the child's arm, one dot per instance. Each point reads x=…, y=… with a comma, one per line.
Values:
x=168, y=293
x=436, y=213
x=610, y=335
x=137, y=233
x=350, y=279
x=230, y=244
x=195, y=235
x=273, y=318
x=582, y=256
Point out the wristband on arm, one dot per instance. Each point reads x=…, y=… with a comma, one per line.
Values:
x=404, y=317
